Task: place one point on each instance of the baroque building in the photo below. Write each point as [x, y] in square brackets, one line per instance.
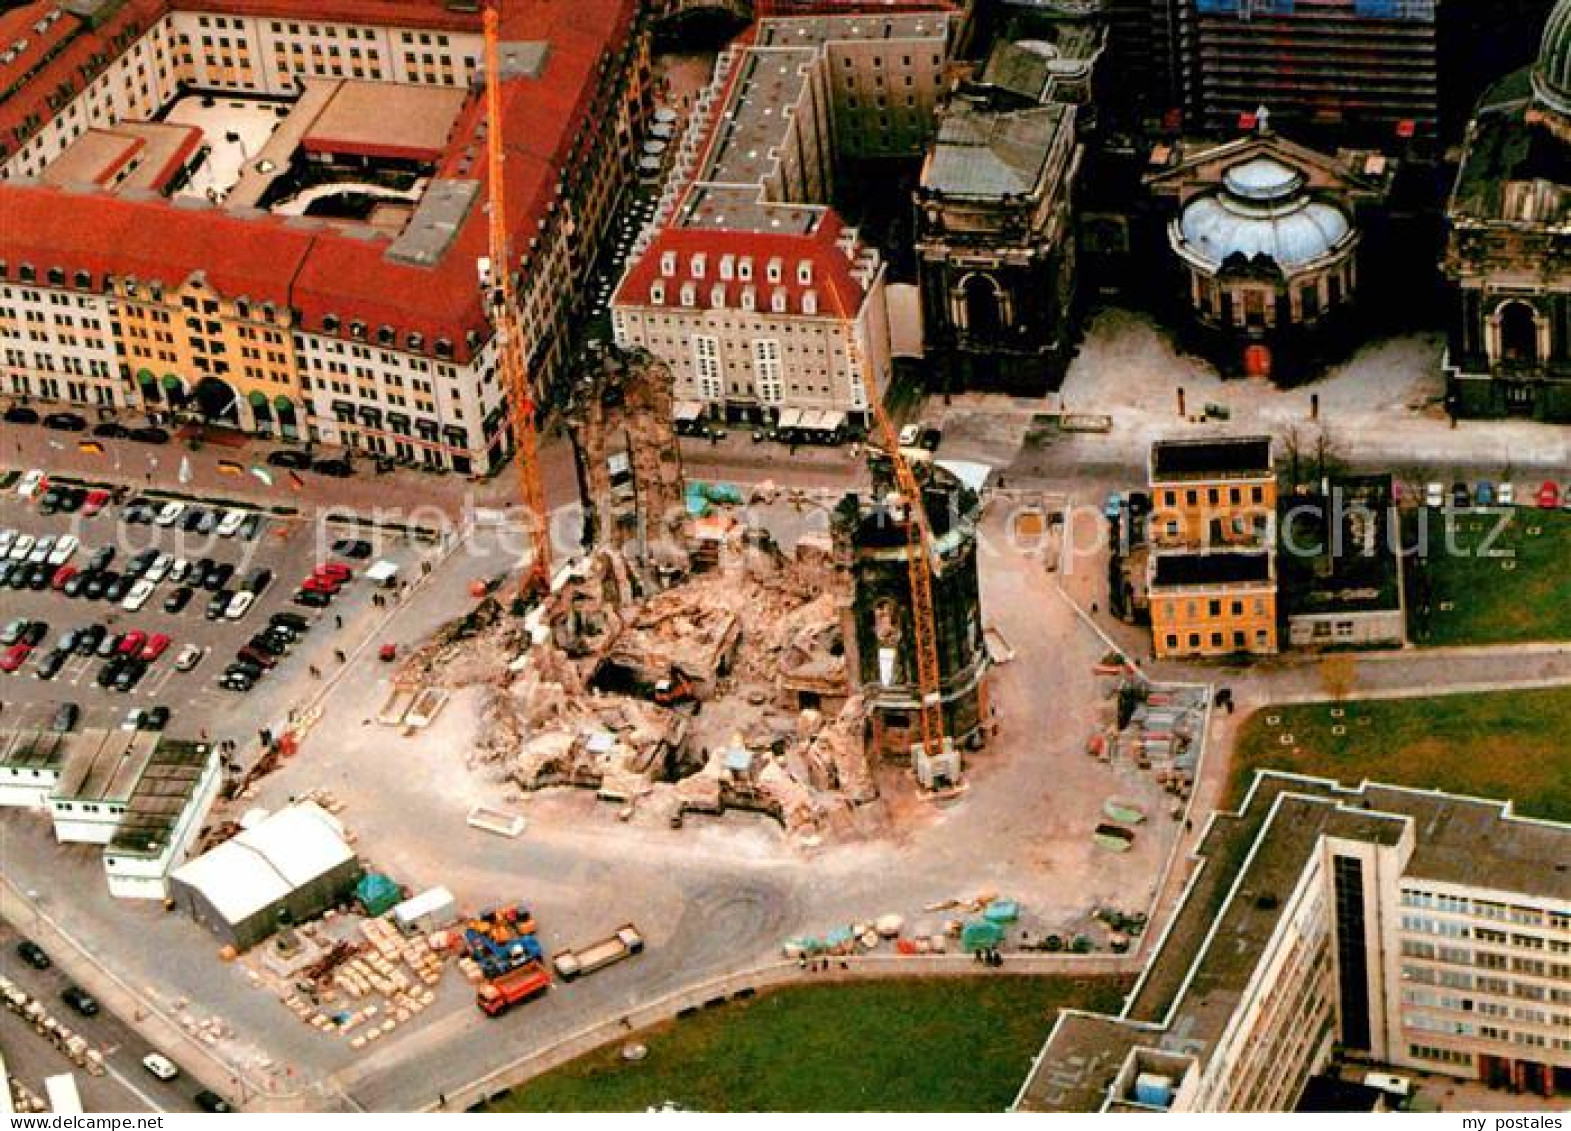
[1508, 255]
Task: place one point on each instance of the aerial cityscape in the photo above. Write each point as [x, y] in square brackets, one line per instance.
[739, 556]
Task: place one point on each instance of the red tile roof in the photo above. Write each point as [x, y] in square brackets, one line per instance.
[321, 271]
[837, 290]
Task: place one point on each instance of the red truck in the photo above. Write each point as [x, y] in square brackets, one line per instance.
[524, 983]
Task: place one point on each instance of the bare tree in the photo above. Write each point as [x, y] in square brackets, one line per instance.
[1339, 675]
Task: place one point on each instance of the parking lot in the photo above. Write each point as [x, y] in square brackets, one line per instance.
[163, 648]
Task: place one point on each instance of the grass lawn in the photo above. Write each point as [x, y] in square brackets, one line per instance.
[1476, 599]
[943, 1044]
[1508, 745]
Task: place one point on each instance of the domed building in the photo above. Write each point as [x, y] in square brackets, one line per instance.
[1266, 236]
[1508, 249]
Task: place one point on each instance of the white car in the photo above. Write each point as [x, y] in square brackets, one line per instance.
[31, 483]
[169, 514]
[159, 569]
[7, 540]
[179, 569]
[41, 550]
[240, 604]
[1505, 495]
[138, 596]
[160, 1066]
[1435, 495]
[910, 435]
[21, 547]
[65, 546]
[230, 524]
[133, 720]
[189, 657]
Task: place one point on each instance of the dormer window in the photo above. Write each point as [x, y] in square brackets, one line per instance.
[804, 272]
[387, 336]
[56, 277]
[689, 294]
[809, 302]
[416, 341]
[773, 270]
[728, 267]
[699, 264]
[717, 296]
[330, 323]
[242, 309]
[657, 294]
[84, 281]
[668, 263]
[444, 348]
[777, 301]
[744, 269]
[357, 331]
[749, 298]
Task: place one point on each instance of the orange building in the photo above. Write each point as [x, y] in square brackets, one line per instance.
[1218, 492]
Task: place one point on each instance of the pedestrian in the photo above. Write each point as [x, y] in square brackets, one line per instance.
[338, 654]
[338, 620]
[315, 672]
[441, 1099]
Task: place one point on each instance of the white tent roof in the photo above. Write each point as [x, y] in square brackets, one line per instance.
[261, 865]
[977, 476]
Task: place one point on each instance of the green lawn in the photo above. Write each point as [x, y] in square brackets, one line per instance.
[1462, 596]
[952, 1044]
[1508, 745]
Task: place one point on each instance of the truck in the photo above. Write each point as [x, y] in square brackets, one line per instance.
[502, 939]
[623, 943]
[520, 984]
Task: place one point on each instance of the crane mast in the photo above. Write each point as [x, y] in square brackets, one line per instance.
[919, 559]
[502, 301]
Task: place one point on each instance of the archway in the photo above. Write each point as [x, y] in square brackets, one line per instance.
[287, 422]
[216, 401]
[984, 313]
[174, 391]
[261, 410]
[1518, 333]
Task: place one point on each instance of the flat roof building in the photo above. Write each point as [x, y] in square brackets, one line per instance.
[1415, 928]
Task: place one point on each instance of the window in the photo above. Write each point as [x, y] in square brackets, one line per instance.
[706, 366]
[766, 369]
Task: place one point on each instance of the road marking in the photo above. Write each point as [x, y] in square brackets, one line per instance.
[125, 1082]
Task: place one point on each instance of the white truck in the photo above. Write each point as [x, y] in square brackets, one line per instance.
[623, 943]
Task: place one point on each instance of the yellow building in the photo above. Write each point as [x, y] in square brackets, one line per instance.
[1217, 492]
[1219, 603]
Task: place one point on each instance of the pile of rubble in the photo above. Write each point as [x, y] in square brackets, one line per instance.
[728, 689]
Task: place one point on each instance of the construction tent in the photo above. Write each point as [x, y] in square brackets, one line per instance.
[285, 870]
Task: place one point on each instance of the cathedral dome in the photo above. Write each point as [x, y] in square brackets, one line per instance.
[1552, 72]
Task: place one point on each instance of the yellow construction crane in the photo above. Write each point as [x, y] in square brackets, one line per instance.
[920, 562]
[496, 278]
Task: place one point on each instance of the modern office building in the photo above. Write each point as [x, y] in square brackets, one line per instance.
[255, 216]
[1411, 928]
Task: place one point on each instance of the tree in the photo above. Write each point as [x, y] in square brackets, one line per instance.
[1339, 675]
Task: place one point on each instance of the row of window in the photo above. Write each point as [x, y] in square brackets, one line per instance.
[1486, 909]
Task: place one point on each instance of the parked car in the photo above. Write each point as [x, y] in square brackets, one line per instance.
[50, 665]
[169, 513]
[324, 585]
[1505, 495]
[130, 674]
[259, 580]
[65, 718]
[1484, 493]
[1434, 495]
[131, 643]
[75, 584]
[218, 604]
[94, 501]
[13, 630]
[256, 657]
[65, 422]
[157, 644]
[211, 1102]
[91, 637]
[240, 605]
[251, 526]
[80, 1000]
[109, 645]
[333, 468]
[22, 547]
[148, 435]
[1461, 499]
[156, 718]
[357, 549]
[38, 575]
[137, 597]
[229, 525]
[233, 680]
[299, 461]
[189, 657]
[101, 559]
[160, 1066]
[219, 576]
[159, 569]
[110, 430]
[117, 589]
[35, 633]
[31, 483]
[290, 620]
[334, 571]
[178, 599]
[33, 954]
[179, 571]
[20, 414]
[14, 657]
[1548, 496]
[61, 551]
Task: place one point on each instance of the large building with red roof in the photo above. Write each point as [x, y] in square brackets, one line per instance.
[311, 271]
[765, 305]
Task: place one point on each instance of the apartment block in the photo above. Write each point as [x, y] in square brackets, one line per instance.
[1219, 491]
[1212, 603]
[1423, 930]
[748, 284]
[143, 267]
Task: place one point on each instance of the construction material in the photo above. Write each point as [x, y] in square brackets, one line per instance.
[497, 821]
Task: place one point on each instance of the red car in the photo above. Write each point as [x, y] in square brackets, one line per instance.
[155, 647]
[96, 500]
[315, 584]
[62, 575]
[14, 657]
[1549, 495]
[131, 643]
[337, 571]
